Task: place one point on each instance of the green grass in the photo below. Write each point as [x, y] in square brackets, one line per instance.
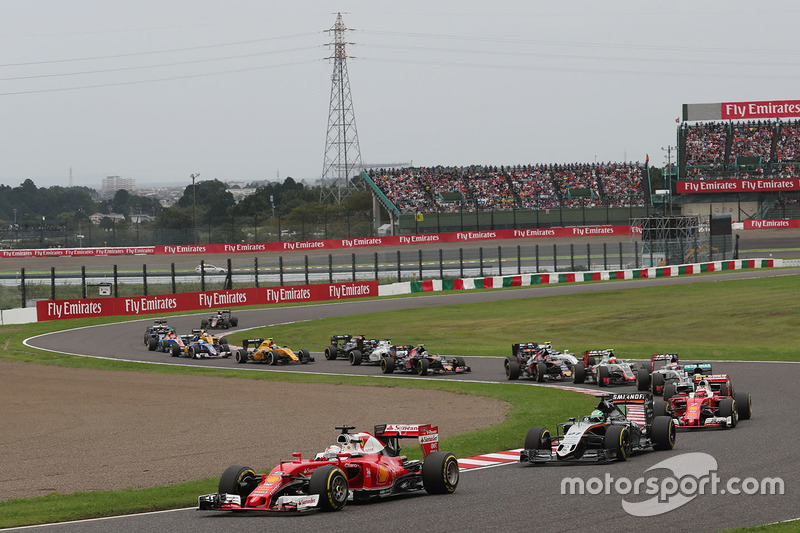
[748, 319]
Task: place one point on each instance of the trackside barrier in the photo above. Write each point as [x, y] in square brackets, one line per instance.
[524, 280]
[162, 304]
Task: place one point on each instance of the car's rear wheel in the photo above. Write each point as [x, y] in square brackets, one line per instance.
[241, 356]
[239, 480]
[602, 376]
[387, 365]
[643, 379]
[235, 321]
[330, 483]
[204, 323]
[355, 357]
[743, 405]
[618, 442]
[422, 367]
[175, 350]
[440, 473]
[663, 432]
[331, 352]
[538, 438]
[152, 344]
[512, 368]
[579, 372]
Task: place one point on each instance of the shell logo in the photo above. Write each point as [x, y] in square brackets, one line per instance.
[694, 407]
[273, 479]
[384, 474]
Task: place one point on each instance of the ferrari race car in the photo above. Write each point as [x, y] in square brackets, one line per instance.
[360, 467]
[221, 320]
[667, 376]
[712, 404]
[153, 334]
[267, 351]
[538, 362]
[416, 359]
[199, 345]
[608, 370]
[358, 349]
[621, 425]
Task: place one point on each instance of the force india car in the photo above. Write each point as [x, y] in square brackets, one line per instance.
[358, 349]
[416, 359]
[712, 404]
[621, 425]
[603, 368]
[221, 320]
[667, 376]
[360, 466]
[153, 334]
[267, 351]
[538, 362]
[199, 345]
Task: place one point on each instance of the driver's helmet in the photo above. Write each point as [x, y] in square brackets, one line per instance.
[672, 366]
[597, 416]
[703, 388]
[612, 359]
[331, 452]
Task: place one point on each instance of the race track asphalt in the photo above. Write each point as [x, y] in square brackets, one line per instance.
[511, 497]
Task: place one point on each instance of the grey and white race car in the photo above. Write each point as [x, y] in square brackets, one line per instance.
[621, 424]
[603, 368]
[666, 376]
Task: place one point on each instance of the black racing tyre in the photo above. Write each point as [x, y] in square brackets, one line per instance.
[663, 433]
[387, 365]
[355, 357]
[602, 376]
[239, 480]
[175, 350]
[538, 438]
[241, 356]
[657, 385]
[422, 367]
[457, 362]
[330, 482]
[618, 440]
[540, 371]
[191, 352]
[204, 323]
[643, 379]
[512, 368]
[660, 408]
[440, 473]
[164, 346]
[727, 408]
[723, 390]
[579, 373]
[273, 357]
[146, 338]
[304, 356]
[152, 344]
[225, 349]
[331, 352]
[223, 340]
[670, 389]
[234, 321]
[743, 405]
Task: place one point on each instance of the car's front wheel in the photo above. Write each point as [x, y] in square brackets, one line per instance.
[355, 357]
[330, 483]
[618, 442]
[239, 480]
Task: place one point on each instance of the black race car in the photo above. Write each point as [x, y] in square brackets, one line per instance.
[223, 319]
[622, 424]
[417, 360]
[539, 362]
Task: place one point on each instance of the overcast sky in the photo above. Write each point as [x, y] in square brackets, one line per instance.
[239, 90]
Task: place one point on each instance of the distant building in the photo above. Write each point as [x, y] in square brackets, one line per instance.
[112, 184]
[97, 217]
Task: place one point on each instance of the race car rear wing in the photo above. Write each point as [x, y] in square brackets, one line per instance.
[666, 357]
[697, 368]
[427, 435]
[516, 346]
[337, 338]
[251, 342]
[634, 405]
[160, 322]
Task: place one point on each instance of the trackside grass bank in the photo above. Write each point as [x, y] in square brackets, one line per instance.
[752, 319]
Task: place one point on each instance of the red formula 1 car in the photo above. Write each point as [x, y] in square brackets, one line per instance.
[360, 466]
[712, 404]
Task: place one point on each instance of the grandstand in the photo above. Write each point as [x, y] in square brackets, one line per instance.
[748, 168]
